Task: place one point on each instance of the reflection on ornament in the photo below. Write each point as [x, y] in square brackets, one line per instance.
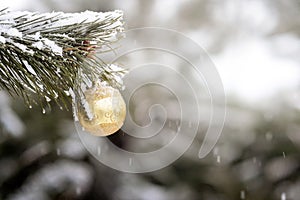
[103, 111]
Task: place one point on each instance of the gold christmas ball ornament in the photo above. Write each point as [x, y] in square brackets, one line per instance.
[102, 111]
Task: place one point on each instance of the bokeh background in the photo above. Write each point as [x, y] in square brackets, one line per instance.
[255, 45]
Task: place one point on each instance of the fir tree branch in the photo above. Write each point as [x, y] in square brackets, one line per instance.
[42, 53]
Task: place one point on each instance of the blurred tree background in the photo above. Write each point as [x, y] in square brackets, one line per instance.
[258, 154]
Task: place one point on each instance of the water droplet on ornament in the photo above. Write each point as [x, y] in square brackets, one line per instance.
[30, 106]
[107, 115]
[43, 111]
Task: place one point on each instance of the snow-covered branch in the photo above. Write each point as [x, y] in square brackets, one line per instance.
[43, 52]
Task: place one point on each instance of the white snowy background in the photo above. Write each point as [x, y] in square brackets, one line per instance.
[255, 46]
